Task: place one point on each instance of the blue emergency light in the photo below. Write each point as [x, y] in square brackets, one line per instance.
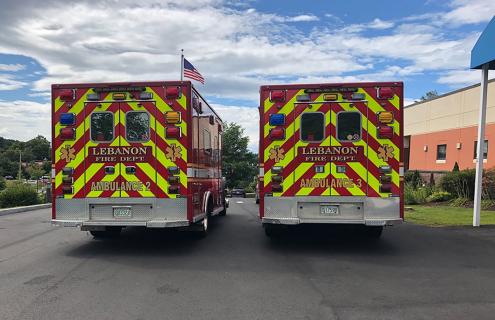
[277, 119]
[67, 119]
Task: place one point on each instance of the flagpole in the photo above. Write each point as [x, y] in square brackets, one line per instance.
[182, 65]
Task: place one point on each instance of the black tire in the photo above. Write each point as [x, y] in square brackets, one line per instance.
[374, 232]
[272, 231]
[202, 232]
[109, 232]
[257, 201]
[223, 212]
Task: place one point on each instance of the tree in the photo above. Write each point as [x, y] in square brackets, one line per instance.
[239, 164]
[39, 148]
[429, 95]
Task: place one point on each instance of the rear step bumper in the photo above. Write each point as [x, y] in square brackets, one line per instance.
[89, 225]
[294, 221]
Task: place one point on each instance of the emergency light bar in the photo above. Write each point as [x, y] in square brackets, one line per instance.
[330, 96]
[385, 132]
[173, 132]
[67, 134]
[385, 93]
[277, 95]
[277, 119]
[385, 117]
[173, 117]
[67, 119]
[67, 94]
[172, 92]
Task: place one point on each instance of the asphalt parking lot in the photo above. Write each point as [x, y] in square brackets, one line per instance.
[413, 272]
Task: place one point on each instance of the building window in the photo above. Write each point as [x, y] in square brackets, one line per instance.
[485, 150]
[312, 126]
[441, 152]
[349, 126]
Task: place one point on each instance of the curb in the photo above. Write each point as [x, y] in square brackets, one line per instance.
[7, 211]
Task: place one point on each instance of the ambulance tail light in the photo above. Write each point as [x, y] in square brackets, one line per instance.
[173, 170]
[385, 117]
[385, 93]
[277, 119]
[277, 170]
[385, 179]
[173, 117]
[173, 132]
[173, 189]
[67, 189]
[173, 180]
[67, 94]
[330, 96]
[277, 95]
[67, 180]
[385, 169]
[67, 119]
[277, 134]
[119, 96]
[277, 179]
[172, 92]
[277, 188]
[67, 134]
[385, 132]
[386, 188]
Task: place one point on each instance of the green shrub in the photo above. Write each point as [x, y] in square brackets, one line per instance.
[3, 184]
[416, 195]
[456, 167]
[459, 184]
[439, 196]
[413, 178]
[18, 194]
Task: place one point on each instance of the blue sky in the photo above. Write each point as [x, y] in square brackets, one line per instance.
[236, 45]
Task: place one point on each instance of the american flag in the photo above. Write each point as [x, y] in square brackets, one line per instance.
[191, 72]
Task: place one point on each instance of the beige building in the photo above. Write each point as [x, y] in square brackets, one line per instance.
[442, 131]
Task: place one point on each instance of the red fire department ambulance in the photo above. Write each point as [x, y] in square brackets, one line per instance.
[331, 153]
[135, 154]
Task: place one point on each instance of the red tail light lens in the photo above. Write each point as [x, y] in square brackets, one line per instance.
[67, 134]
[172, 92]
[277, 188]
[385, 179]
[173, 189]
[277, 95]
[173, 179]
[173, 132]
[277, 134]
[67, 189]
[277, 179]
[385, 93]
[385, 132]
[67, 94]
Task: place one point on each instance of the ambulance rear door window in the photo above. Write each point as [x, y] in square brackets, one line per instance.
[137, 126]
[349, 126]
[312, 126]
[102, 127]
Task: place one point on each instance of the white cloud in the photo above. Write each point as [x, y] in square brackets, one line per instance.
[24, 120]
[380, 24]
[470, 12]
[462, 77]
[247, 117]
[12, 67]
[7, 82]
[302, 18]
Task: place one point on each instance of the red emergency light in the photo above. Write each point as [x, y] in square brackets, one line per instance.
[277, 133]
[172, 92]
[173, 132]
[385, 93]
[277, 95]
[67, 134]
[386, 188]
[67, 94]
[385, 132]
[277, 188]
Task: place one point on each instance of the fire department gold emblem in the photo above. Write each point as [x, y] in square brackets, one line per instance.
[173, 152]
[277, 154]
[67, 153]
[385, 152]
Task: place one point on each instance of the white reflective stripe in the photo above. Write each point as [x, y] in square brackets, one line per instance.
[190, 172]
[53, 173]
[401, 171]
[262, 172]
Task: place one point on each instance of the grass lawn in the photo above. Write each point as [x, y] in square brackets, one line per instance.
[446, 216]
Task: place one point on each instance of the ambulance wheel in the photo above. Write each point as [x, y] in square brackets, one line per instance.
[374, 232]
[223, 212]
[202, 231]
[109, 232]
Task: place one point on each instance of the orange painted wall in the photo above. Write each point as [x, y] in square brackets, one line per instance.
[421, 160]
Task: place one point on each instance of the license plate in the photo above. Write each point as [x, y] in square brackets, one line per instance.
[122, 212]
[327, 210]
